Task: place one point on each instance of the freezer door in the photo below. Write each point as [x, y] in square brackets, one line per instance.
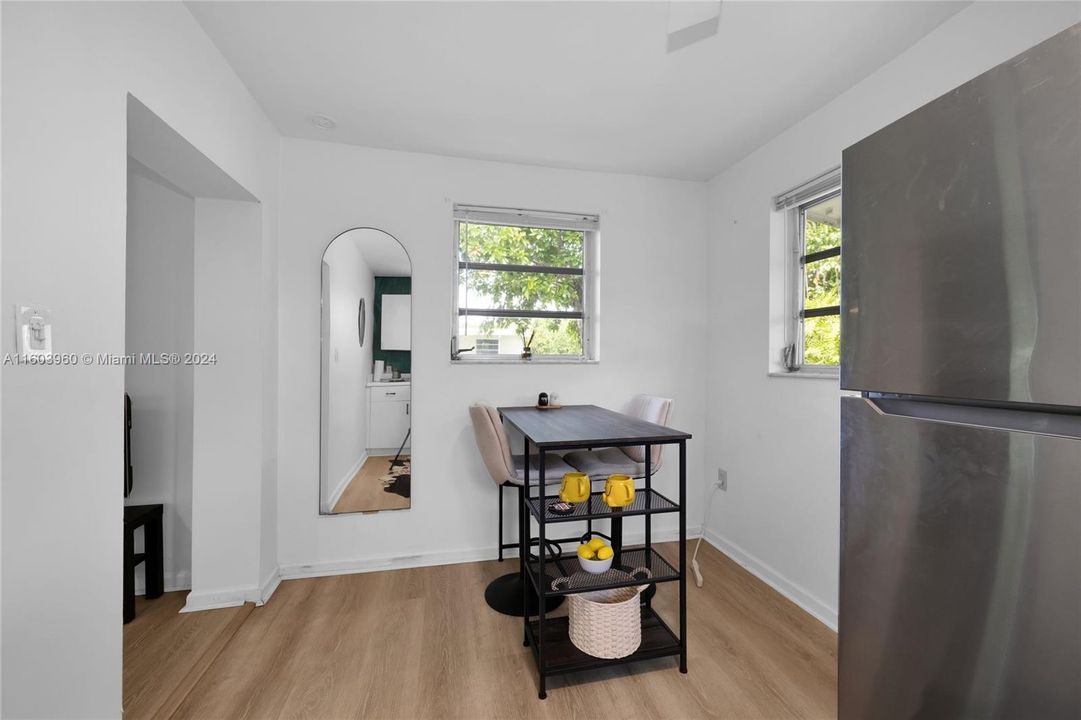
[961, 272]
[960, 565]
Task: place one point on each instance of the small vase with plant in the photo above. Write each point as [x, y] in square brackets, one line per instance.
[527, 351]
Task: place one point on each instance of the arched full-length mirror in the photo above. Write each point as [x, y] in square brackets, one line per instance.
[366, 403]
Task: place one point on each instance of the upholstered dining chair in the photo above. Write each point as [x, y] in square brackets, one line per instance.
[504, 594]
[601, 463]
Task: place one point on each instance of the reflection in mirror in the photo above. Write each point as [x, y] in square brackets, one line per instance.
[366, 343]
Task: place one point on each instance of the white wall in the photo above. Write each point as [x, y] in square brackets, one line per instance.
[67, 70]
[160, 319]
[779, 437]
[651, 314]
[349, 364]
[227, 438]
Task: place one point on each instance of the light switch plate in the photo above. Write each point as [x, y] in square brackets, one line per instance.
[34, 330]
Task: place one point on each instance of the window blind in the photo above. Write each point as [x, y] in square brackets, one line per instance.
[813, 188]
[526, 218]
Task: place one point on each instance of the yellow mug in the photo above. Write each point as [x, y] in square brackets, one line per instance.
[619, 491]
[575, 487]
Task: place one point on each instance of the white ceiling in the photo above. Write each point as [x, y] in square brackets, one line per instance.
[584, 85]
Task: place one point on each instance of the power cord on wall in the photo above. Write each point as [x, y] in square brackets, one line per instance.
[705, 519]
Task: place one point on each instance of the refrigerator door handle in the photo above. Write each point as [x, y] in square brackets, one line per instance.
[1006, 418]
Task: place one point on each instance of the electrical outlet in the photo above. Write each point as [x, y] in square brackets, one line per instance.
[722, 479]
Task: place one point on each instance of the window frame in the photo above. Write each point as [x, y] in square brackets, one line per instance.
[794, 204]
[587, 224]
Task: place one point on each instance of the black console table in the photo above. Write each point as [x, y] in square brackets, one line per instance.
[147, 517]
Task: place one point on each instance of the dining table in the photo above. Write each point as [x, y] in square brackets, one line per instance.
[550, 430]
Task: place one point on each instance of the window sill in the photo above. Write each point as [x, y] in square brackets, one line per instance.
[834, 375]
[464, 360]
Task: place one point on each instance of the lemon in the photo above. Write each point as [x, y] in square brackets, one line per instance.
[604, 553]
[596, 544]
[585, 552]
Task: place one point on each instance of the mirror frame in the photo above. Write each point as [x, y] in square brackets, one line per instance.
[319, 450]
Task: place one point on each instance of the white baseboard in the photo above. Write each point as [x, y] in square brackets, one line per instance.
[269, 585]
[343, 483]
[233, 596]
[386, 452]
[815, 606]
[428, 559]
[388, 562]
[221, 598]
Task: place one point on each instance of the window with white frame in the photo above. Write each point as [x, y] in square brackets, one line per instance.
[813, 276]
[524, 288]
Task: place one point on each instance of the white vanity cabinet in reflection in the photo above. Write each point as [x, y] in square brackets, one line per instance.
[388, 416]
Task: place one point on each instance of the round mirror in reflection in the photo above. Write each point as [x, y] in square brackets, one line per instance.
[366, 372]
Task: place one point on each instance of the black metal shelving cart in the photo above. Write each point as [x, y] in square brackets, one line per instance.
[588, 426]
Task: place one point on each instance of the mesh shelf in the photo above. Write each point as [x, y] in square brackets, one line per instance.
[646, 502]
[618, 576]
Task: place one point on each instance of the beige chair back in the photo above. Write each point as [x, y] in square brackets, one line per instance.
[652, 409]
[492, 443]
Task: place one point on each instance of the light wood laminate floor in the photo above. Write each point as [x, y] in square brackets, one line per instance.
[421, 643]
[365, 492]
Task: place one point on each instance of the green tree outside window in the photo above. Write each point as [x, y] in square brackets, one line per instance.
[821, 288]
[526, 291]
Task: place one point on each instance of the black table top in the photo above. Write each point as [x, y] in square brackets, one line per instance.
[586, 426]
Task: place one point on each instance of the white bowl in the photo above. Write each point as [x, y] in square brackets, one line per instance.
[595, 566]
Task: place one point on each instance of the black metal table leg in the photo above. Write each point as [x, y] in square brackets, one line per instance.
[129, 575]
[154, 546]
[652, 589]
[617, 537]
[499, 492]
[682, 556]
[523, 543]
[542, 575]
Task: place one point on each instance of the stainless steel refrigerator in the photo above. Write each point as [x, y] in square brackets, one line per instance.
[961, 456]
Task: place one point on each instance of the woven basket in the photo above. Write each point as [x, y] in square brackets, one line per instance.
[606, 623]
